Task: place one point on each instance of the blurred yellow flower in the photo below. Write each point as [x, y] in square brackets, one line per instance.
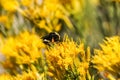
[73, 6]
[9, 5]
[46, 15]
[95, 2]
[108, 58]
[3, 19]
[49, 11]
[25, 48]
[6, 77]
[27, 2]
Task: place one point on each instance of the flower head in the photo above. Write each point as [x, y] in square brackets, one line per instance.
[108, 58]
[67, 57]
[24, 48]
[9, 5]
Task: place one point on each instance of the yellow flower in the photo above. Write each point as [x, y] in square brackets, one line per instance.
[3, 19]
[63, 57]
[50, 11]
[25, 48]
[108, 58]
[46, 15]
[6, 77]
[9, 5]
[27, 2]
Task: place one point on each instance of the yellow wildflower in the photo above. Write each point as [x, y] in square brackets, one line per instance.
[108, 58]
[63, 57]
[25, 48]
[27, 2]
[3, 19]
[9, 5]
[50, 12]
[6, 77]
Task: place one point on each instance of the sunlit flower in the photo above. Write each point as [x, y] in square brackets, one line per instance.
[63, 57]
[9, 5]
[23, 49]
[108, 58]
[3, 19]
[37, 11]
[50, 11]
[27, 2]
[6, 77]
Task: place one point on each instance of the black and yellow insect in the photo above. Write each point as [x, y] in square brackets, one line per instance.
[51, 38]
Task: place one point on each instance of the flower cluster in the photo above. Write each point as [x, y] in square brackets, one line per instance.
[108, 58]
[23, 49]
[44, 14]
[70, 59]
[27, 57]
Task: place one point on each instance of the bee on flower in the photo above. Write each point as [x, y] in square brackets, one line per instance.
[52, 37]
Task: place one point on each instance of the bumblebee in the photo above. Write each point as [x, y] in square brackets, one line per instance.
[51, 38]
